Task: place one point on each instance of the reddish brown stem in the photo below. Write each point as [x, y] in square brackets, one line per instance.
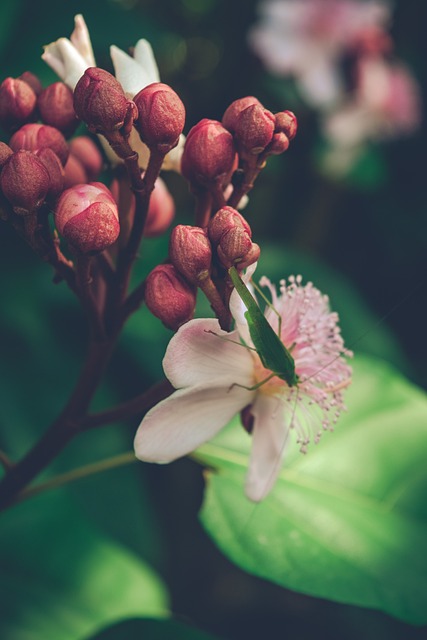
[64, 428]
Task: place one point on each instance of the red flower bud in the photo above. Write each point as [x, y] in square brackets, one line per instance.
[223, 221]
[33, 81]
[56, 108]
[55, 170]
[161, 211]
[18, 103]
[190, 252]
[85, 150]
[237, 249]
[74, 172]
[5, 153]
[287, 123]
[209, 154]
[99, 100]
[229, 119]
[253, 130]
[279, 144]
[161, 116]
[169, 297]
[34, 137]
[25, 182]
[86, 215]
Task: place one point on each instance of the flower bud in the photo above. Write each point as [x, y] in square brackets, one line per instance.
[85, 150]
[74, 172]
[169, 297]
[99, 100]
[55, 170]
[209, 154]
[5, 153]
[87, 216]
[237, 249]
[287, 123]
[223, 221]
[18, 103]
[33, 81]
[161, 116]
[279, 144]
[161, 211]
[25, 182]
[56, 108]
[229, 119]
[34, 137]
[254, 130]
[190, 252]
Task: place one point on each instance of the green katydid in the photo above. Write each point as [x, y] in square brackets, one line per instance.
[268, 345]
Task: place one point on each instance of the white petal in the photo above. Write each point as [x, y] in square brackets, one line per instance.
[65, 60]
[144, 55]
[270, 440]
[81, 40]
[181, 423]
[195, 357]
[172, 161]
[238, 308]
[131, 75]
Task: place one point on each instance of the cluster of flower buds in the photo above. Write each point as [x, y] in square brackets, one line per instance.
[247, 135]
[199, 258]
[156, 112]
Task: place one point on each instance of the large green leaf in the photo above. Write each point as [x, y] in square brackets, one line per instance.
[152, 630]
[348, 521]
[61, 579]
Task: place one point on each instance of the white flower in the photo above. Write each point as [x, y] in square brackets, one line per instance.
[69, 58]
[214, 378]
[307, 38]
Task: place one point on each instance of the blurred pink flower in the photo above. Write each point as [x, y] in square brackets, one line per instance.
[210, 373]
[386, 103]
[307, 38]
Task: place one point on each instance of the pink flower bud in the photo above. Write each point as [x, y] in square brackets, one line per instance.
[161, 116]
[56, 108]
[223, 221]
[229, 119]
[87, 216]
[99, 100]
[33, 137]
[190, 252]
[18, 103]
[237, 249]
[279, 144]
[161, 211]
[25, 182]
[85, 150]
[74, 172]
[209, 154]
[33, 81]
[5, 153]
[55, 170]
[254, 130]
[169, 297]
[287, 123]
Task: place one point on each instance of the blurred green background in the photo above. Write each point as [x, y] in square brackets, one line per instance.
[363, 242]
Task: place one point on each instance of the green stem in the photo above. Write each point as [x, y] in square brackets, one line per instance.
[76, 474]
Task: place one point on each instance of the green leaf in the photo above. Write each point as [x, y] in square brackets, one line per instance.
[61, 579]
[152, 630]
[348, 521]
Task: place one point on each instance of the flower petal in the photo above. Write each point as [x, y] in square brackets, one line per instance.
[270, 440]
[144, 55]
[182, 422]
[65, 60]
[195, 357]
[81, 40]
[132, 76]
[237, 307]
